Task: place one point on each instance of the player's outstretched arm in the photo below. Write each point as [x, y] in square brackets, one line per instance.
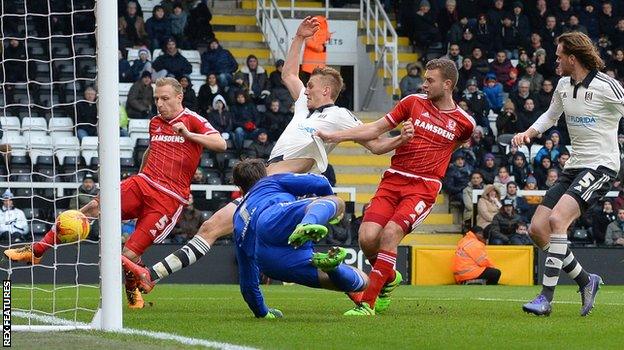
[249, 281]
[382, 145]
[290, 72]
[363, 133]
[213, 142]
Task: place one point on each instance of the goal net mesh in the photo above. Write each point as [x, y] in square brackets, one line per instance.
[47, 71]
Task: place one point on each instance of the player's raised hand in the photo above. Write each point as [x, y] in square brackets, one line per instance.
[180, 129]
[308, 27]
[327, 137]
[407, 132]
[520, 139]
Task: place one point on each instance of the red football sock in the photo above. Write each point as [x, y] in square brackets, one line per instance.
[382, 272]
[45, 243]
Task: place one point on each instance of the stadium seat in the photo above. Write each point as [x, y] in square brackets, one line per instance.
[61, 126]
[32, 213]
[89, 149]
[224, 157]
[206, 161]
[136, 136]
[66, 146]
[19, 164]
[39, 228]
[214, 181]
[45, 161]
[227, 177]
[212, 173]
[34, 124]
[17, 142]
[232, 162]
[126, 147]
[23, 192]
[10, 123]
[138, 125]
[127, 165]
[39, 145]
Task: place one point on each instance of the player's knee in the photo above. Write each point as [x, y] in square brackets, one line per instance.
[391, 236]
[340, 203]
[557, 223]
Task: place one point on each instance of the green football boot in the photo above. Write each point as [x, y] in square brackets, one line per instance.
[383, 300]
[361, 310]
[306, 232]
[330, 260]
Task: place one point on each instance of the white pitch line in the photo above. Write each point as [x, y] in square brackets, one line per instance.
[503, 300]
[151, 334]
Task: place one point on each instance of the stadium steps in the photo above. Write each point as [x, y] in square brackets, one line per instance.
[431, 239]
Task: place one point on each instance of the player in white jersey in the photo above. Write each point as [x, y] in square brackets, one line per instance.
[592, 104]
[298, 150]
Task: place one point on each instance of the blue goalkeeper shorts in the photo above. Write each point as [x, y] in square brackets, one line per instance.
[275, 257]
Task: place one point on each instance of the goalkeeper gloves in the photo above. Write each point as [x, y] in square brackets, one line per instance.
[274, 313]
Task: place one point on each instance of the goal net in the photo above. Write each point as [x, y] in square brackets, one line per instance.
[53, 147]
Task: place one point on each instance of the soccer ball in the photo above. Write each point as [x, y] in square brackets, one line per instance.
[72, 226]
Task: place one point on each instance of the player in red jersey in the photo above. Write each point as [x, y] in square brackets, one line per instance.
[408, 189]
[156, 195]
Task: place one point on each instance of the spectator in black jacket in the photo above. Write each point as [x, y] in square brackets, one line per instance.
[278, 89]
[447, 16]
[220, 117]
[198, 29]
[495, 15]
[545, 95]
[256, 79]
[607, 19]
[171, 62]
[601, 220]
[457, 177]
[141, 64]
[189, 99]
[528, 113]
[207, 93]
[489, 168]
[522, 94]
[140, 102]
[504, 224]
[508, 38]
[563, 12]
[478, 104]
[422, 28]
[484, 34]
[480, 62]
[261, 146]
[520, 169]
[274, 121]
[219, 61]
[158, 28]
[86, 114]
[125, 73]
[520, 20]
[244, 119]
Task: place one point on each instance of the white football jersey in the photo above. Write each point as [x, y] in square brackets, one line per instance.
[592, 110]
[298, 140]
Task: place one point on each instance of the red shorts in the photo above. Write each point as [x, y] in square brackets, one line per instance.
[403, 200]
[156, 213]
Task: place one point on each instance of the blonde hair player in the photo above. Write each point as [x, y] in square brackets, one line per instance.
[298, 150]
[156, 195]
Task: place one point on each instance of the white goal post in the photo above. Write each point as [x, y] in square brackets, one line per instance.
[108, 316]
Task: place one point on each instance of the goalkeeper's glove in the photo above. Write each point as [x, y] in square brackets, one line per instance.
[274, 313]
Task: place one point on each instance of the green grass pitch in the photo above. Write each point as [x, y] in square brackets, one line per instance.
[441, 317]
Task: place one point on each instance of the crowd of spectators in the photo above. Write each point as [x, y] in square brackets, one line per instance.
[505, 53]
[248, 106]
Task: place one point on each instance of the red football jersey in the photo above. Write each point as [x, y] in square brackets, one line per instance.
[436, 135]
[172, 160]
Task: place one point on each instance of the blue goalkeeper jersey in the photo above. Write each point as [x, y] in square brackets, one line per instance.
[269, 191]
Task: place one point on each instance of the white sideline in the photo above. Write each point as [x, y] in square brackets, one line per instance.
[155, 335]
